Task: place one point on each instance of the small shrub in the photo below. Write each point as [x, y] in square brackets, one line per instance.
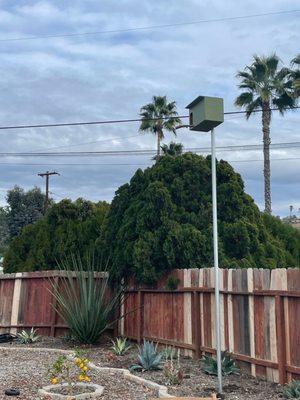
[169, 352]
[172, 283]
[28, 337]
[120, 346]
[69, 371]
[292, 390]
[148, 358]
[173, 371]
[229, 367]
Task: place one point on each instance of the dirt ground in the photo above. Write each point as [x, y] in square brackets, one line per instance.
[27, 371]
[195, 382]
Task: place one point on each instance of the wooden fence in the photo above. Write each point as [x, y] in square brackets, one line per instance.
[26, 301]
[260, 317]
[260, 314]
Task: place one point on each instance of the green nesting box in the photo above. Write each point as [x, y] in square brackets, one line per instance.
[206, 113]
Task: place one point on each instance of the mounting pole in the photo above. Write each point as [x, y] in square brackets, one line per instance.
[216, 258]
[47, 175]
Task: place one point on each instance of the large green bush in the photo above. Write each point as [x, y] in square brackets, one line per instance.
[159, 221]
[162, 220]
[67, 228]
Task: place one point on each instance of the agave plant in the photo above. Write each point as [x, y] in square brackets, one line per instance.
[210, 366]
[82, 300]
[28, 337]
[148, 358]
[292, 390]
[120, 346]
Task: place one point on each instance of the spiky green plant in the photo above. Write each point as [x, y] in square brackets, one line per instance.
[173, 371]
[169, 352]
[120, 346]
[148, 358]
[25, 337]
[229, 367]
[292, 390]
[82, 300]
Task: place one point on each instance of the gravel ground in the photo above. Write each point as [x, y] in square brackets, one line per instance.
[27, 371]
[196, 383]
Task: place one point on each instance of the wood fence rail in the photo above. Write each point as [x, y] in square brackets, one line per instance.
[260, 314]
[260, 317]
[26, 301]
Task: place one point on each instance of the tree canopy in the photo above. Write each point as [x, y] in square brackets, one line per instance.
[161, 220]
[67, 228]
[23, 208]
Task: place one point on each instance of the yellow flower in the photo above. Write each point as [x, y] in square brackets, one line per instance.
[54, 381]
[87, 379]
[81, 378]
[84, 369]
[81, 365]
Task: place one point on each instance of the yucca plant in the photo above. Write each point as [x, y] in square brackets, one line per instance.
[25, 337]
[120, 346]
[82, 299]
[292, 390]
[148, 358]
[210, 366]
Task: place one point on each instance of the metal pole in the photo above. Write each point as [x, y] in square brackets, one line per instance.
[216, 258]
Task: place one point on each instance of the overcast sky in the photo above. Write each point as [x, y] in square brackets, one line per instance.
[110, 76]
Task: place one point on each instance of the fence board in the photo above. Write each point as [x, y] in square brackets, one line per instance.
[259, 314]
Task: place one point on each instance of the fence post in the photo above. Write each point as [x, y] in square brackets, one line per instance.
[53, 308]
[196, 324]
[140, 316]
[117, 315]
[281, 339]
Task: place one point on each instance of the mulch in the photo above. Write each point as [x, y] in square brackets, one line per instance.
[195, 382]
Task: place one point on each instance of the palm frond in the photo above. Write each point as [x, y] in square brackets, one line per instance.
[244, 99]
[296, 60]
[159, 116]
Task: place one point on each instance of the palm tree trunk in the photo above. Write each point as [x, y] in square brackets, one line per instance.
[158, 144]
[266, 120]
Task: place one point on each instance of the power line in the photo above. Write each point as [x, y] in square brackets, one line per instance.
[137, 152]
[119, 121]
[132, 164]
[150, 27]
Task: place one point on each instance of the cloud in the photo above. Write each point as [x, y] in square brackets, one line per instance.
[107, 76]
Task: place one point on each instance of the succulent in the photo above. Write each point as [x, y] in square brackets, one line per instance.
[169, 352]
[148, 358]
[28, 337]
[120, 346]
[172, 370]
[229, 367]
[292, 390]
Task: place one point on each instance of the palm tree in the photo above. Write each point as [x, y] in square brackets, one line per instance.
[265, 85]
[159, 116]
[295, 75]
[173, 149]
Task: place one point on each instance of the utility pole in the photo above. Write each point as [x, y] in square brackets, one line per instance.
[47, 175]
